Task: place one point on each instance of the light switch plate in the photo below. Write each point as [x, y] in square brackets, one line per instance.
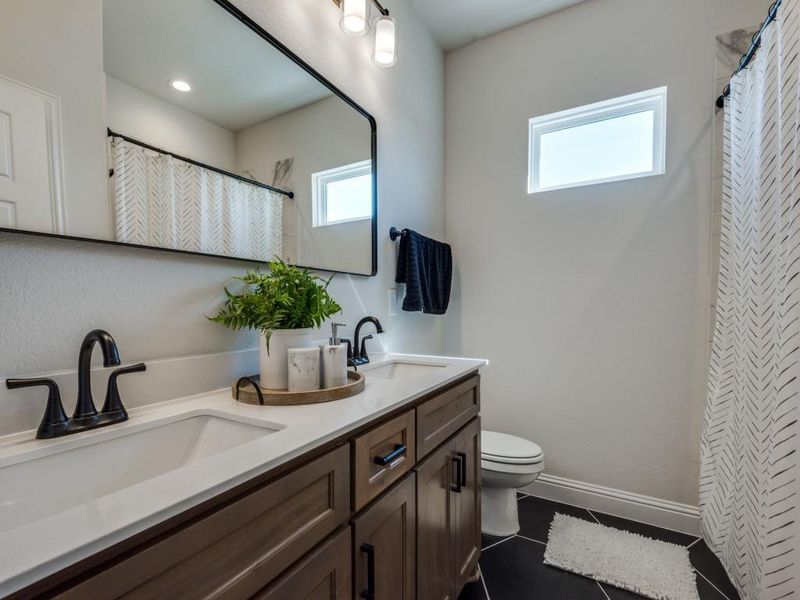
[392, 302]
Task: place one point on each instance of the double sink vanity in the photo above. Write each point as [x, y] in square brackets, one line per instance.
[241, 156]
[376, 496]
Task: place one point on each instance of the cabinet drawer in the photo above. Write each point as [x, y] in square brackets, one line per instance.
[381, 456]
[239, 549]
[443, 415]
[326, 574]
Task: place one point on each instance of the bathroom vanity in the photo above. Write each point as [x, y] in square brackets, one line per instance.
[376, 496]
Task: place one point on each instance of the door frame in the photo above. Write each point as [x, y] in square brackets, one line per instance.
[55, 162]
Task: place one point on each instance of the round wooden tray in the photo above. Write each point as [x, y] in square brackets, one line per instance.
[248, 394]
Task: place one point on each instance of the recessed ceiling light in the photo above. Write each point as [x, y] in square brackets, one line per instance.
[180, 85]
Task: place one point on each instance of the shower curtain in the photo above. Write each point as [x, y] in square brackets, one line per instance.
[165, 202]
[750, 477]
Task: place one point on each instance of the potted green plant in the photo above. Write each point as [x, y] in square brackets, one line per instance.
[284, 304]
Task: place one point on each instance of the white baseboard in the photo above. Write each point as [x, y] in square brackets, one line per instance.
[636, 507]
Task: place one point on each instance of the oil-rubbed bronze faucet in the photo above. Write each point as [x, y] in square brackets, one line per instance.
[360, 356]
[84, 408]
[55, 422]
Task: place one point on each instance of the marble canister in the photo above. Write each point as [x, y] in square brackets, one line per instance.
[303, 369]
[334, 365]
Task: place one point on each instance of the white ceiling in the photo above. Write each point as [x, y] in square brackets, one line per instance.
[455, 23]
[238, 79]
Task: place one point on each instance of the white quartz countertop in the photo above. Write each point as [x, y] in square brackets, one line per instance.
[38, 548]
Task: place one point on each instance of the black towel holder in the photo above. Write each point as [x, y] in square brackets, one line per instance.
[394, 233]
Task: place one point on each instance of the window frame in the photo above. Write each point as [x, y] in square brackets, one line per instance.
[319, 191]
[654, 99]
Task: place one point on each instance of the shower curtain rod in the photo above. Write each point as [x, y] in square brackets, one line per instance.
[202, 165]
[745, 60]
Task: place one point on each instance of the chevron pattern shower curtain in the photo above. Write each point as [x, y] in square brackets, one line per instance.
[750, 476]
[168, 203]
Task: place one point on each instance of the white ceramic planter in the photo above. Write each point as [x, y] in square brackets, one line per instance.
[274, 365]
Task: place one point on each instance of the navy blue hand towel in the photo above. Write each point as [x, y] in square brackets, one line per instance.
[426, 267]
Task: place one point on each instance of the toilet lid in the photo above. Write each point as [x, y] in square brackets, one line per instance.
[504, 448]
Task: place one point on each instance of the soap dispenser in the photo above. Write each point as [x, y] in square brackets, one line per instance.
[334, 360]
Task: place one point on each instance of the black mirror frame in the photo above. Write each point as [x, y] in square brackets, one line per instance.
[269, 38]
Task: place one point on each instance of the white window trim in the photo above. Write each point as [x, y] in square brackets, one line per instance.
[655, 100]
[319, 182]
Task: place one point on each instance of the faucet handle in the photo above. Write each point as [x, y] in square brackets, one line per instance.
[363, 351]
[113, 403]
[349, 347]
[54, 418]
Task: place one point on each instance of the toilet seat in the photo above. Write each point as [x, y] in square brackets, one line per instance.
[508, 463]
[504, 453]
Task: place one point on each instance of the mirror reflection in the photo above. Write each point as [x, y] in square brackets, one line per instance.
[217, 143]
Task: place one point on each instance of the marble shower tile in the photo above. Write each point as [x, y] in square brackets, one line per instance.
[730, 48]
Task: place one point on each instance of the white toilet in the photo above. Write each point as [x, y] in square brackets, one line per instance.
[507, 464]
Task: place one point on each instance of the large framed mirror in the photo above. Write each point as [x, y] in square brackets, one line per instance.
[218, 140]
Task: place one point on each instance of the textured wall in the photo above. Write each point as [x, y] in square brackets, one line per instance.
[53, 292]
[590, 303]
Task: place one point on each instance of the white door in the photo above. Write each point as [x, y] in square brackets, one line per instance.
[30, 161]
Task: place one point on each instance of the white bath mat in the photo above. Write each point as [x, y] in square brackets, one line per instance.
[626, 560]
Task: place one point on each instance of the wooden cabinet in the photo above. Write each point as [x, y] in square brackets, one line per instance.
[434, 522]
[237, 550]
[448, 516]
[385, 545]
[466, 528]
[441, 416]
[323, 575]
[391, 513]
[382, 456]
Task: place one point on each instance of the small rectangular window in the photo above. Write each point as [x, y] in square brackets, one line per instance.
[614, 140]
[342, 194]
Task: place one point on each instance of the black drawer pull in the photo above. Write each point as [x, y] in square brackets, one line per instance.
[458, 462]
[463, 457]
[369, 593]
[399, 450]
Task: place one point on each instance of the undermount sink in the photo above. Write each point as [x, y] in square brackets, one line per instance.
[402, 370]
[46, 485]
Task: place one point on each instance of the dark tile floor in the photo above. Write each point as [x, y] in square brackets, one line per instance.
[512, 568]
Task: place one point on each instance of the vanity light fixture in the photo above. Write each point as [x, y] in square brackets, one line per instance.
[385, 54]
[355, 22]
[355, 17]
[180, 85]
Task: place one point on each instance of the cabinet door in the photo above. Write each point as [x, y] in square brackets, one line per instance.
[435, 505]
[238, 548]
[385, 545]
[323, 575]
[466, 528]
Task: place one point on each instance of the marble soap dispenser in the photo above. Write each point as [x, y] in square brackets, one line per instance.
[334, 360]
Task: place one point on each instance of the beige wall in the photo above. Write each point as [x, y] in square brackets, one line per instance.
[591, 303]
[142, 116]
[56, 46]
[320, 136]
[53, 292]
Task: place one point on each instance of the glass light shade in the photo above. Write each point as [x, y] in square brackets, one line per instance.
[385, 42]
[355, 17]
